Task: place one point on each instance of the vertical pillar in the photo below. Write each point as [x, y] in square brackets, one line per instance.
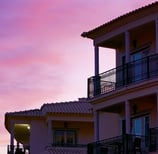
[12, 138]
[127, 114]
[97, 78]
[50, 134]
[96, 126]
[156, 33]
[157, 111]
[127, 46]
[96, 81]
[96, 59]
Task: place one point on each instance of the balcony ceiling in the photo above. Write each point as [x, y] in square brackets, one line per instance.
[136, 34]
[117, 108]
[22, 133]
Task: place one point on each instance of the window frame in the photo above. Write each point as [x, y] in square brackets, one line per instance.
[65, 137]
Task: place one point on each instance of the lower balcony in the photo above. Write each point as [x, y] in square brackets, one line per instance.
[124, 75]
[67, 149]
[126, 144]
[12, 149]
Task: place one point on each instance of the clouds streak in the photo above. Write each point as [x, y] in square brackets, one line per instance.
[42, 56]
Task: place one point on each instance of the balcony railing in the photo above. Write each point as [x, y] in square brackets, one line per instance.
[124, 75]
[67, 149]
[153, 139]
[12, 149]
[120, 145]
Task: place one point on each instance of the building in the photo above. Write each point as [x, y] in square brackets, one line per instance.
[128, 92]
[54, 128]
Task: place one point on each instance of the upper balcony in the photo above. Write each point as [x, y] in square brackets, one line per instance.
[125, 75]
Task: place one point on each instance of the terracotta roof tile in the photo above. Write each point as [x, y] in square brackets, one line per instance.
[35, 112]
[81, 106]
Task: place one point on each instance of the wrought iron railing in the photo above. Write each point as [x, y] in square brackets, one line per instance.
[133, 72]
[67, 149]
[120, 145]
[13, 149]
[153, 139]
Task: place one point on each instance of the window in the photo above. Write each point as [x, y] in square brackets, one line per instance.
[140, 125]
[65, 137]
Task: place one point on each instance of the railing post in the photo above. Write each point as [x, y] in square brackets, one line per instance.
[90, 148]
[88, 88]
[126, 143]
[97, 86]
[127, 74]
[123, 74]
[148, 67]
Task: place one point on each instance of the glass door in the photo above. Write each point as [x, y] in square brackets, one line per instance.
[139, 63]
[136, 66]
[140, 126]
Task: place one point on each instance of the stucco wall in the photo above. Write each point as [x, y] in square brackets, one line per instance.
[108, 125]
[86, 132]
[38, 136]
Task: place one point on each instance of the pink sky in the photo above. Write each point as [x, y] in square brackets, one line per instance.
[43, 58]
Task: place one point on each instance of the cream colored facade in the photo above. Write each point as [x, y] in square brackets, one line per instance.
[129, 92]
[54, 129]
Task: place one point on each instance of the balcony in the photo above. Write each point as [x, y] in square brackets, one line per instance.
[126, 144]
[18, 149]
[131, 73]
[67, 149]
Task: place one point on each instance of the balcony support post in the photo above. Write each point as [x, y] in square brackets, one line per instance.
[12, 138]
[127, 46]
[96, 81]
[50, 133]
[127, 115]
[96, 59]
[156, 29]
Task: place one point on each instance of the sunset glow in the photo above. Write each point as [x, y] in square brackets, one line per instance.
[43, 58]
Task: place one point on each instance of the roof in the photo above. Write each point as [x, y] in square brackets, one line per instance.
[76, 107]
[35, 112]
[121, 20]
[81, 106]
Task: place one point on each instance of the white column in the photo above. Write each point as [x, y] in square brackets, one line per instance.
[156, 33]
[50, 134]
[96, 59]
[127, 46]
[12, 137]
[127, 114]
[12, 134]
[96, 126]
